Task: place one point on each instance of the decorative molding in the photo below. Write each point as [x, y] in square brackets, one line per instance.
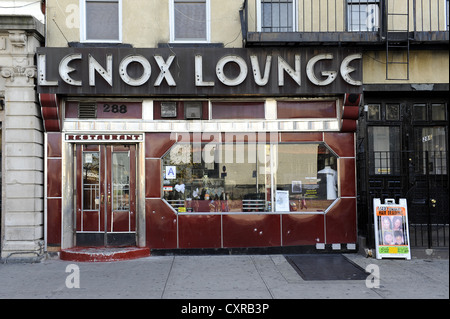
[18, 38]
[29, 72]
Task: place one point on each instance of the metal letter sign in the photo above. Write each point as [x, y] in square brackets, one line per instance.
[199, 71]
[391, 229]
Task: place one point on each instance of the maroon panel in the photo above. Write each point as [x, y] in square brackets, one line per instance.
[109, 110]
[303, 229]
[161, 225]
[301, 137]
[251, 230]
[351, 112]
[71, 110]
[133, 221]
[54, 145]
[50, 108]
[54, 221]
[91, 220]
[348, 126]
[54, 178]
[342, 143]
[121, 222]
[199, 231]
[347, 176]
[153, 178]
[306, 109]
[237, 110]
[157, 144]
[119, 110]
[341, 222]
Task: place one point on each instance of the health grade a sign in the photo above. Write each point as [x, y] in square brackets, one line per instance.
[391, 229]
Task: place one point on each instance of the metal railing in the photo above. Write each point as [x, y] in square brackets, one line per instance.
[355, 15]
[420, 177]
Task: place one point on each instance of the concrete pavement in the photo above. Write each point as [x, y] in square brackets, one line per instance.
[218, 277]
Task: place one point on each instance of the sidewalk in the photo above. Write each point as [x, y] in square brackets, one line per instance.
[219, 277]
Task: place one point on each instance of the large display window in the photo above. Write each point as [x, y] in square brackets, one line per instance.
[249, 177]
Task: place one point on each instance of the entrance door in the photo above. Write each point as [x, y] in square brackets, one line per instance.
[428, 195]
[106, 195]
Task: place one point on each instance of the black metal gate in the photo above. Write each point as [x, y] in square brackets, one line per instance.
[421, 178]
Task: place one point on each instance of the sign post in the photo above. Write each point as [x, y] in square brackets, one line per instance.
[391, 229]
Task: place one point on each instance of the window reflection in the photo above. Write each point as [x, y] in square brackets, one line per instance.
[249, 177]
[91, 181]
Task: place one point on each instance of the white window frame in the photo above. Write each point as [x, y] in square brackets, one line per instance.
[375, 4]
[294, 18]
[83, 29]
[172, 24]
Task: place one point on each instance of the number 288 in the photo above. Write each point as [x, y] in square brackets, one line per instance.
[115, 108]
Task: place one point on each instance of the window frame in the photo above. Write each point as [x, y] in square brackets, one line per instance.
[273, 176]
[294, 16]
[83, 21]
[172, 24]
[349, 25]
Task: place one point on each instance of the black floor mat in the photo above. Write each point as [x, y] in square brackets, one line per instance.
[326, 267]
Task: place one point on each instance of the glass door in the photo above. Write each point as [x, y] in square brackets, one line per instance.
[106, 195]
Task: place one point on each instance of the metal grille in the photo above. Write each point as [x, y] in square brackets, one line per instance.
[420, 177]
[87, 110]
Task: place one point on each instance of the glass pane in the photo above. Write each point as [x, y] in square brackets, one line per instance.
[306, 177]
[91, 181]
[121, 181]
[438, 112]
[363, 17]
[190, 21]
[374, 113]
[384, 149]
[392, 112]
[277, 16]
[102, 20]
[217, 178]
[434, 141]
[420, 112]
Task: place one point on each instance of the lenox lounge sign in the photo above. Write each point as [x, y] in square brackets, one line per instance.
[198, 71]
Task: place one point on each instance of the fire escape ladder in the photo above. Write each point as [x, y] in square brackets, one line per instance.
[397, 40]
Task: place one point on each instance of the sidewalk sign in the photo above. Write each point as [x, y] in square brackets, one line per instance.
[391, 229]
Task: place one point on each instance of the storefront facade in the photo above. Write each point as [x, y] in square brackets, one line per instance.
[200, 148]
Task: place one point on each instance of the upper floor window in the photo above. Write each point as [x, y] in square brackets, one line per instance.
[190, 21]
[363, 15]
[276, 15]
[101, 20]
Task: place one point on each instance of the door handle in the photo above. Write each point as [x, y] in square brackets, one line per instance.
[103, 199]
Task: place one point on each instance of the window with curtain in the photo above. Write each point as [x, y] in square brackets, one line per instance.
[190, 19]
[102, 20]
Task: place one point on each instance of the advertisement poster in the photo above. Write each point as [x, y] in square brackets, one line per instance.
[391, 229]
[282, 201]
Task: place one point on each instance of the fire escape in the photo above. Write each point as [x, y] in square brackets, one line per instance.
[397, 40]
[391, 25]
